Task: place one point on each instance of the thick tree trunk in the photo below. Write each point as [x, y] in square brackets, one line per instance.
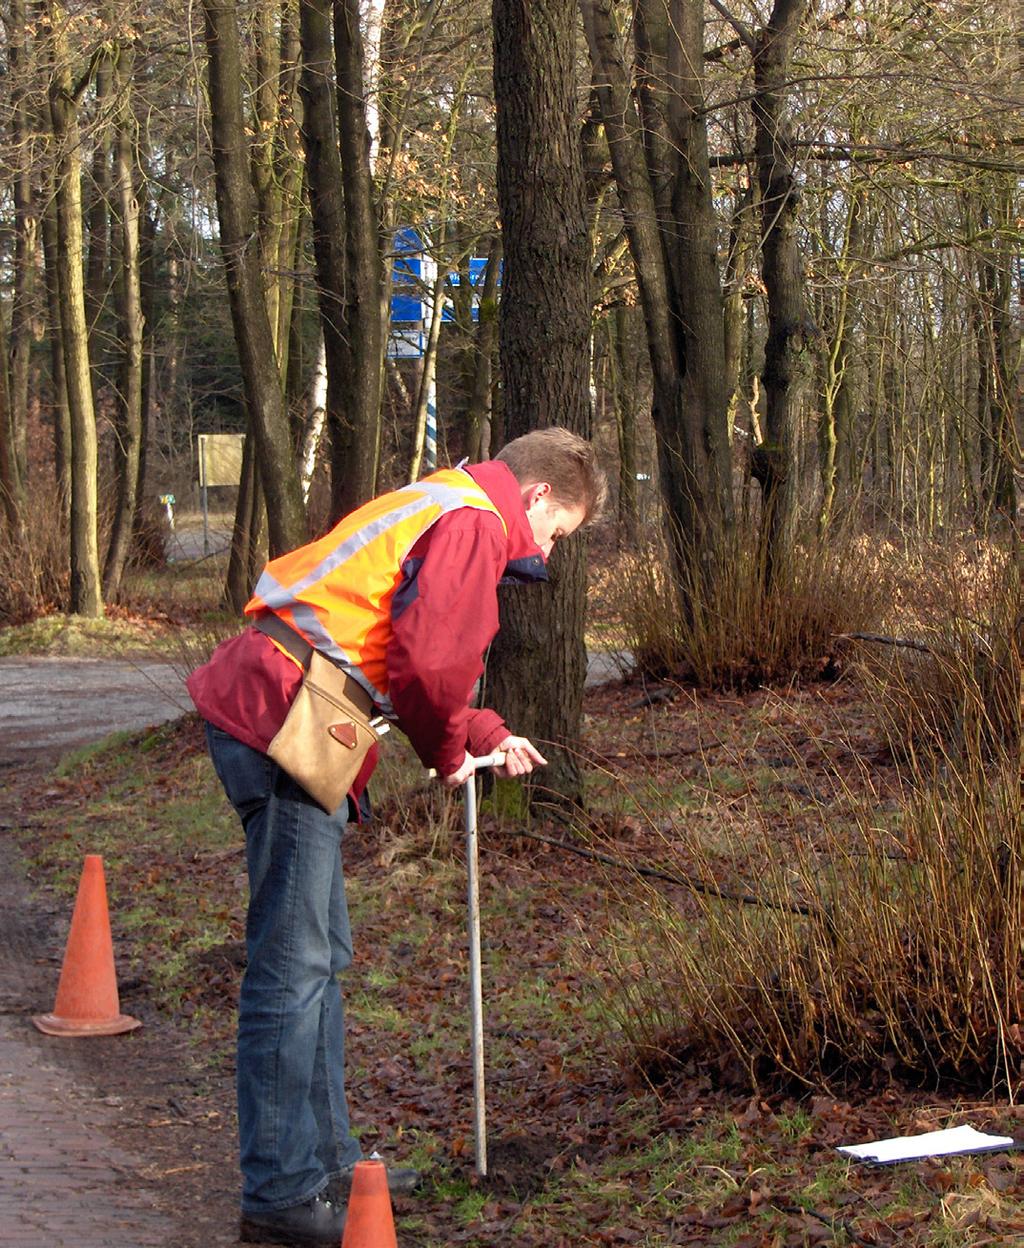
[253, 335]
[661, 172]
[276, 179]
[690, 239]
[337, 194]
[128, 421]
[786, 350]
[276, 158]
[537, 665]
[86, 593]
[288, 170]
[326, 194]
[355, 430]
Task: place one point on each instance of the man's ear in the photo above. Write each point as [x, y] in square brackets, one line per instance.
[532, 493]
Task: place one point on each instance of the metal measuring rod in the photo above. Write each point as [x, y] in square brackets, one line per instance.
[476, 1007]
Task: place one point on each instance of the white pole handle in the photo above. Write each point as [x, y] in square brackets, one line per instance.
[485, 760]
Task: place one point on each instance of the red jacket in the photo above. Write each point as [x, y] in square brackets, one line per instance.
[444, 615]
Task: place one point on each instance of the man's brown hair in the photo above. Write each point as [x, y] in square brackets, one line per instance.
[565, 461]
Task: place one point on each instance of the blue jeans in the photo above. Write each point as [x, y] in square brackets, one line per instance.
[293, 1122]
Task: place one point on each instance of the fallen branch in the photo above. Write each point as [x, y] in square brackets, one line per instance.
[831, 1222]
[906, 642]
[685, 881]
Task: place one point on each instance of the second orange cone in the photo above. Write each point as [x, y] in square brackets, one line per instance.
[370, 1223]
[87, 1001]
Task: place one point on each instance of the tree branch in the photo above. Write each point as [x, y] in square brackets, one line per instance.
[741, 28]
[685, 881]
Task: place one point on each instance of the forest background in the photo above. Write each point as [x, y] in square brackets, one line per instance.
[768, 256]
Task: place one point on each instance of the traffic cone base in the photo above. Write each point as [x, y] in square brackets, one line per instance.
[87, 1002]
[369, 1222]
[54, 1025]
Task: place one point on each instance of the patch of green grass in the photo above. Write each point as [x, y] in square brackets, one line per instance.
[795, 1125]
[71, 635]
[469, 1207]
[102, 752]
[373, 1012]
[829, 1182]
[380, 978]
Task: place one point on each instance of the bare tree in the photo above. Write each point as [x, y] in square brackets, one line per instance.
[355, 429]
[254, 337]
[64, 95]
[21, 71]
[128, 421]
[658, 142]
[789, 335]
[544, 336]
[346, 242]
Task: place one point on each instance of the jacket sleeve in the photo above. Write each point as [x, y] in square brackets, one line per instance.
[444, 615]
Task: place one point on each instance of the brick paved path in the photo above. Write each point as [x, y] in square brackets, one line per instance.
[63, 1179]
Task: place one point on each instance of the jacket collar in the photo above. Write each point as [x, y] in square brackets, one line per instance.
[525, 561]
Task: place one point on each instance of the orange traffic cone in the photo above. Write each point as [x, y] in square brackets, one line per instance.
[370, 1223]
[87, 1002]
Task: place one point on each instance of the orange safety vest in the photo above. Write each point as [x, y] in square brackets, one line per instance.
[337, 590]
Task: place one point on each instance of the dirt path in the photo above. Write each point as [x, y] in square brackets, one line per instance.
[51, 705]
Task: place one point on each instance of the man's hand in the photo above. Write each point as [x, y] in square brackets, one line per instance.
[458, 778]
[521, 756]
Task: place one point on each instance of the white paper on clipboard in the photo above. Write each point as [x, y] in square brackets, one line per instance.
[932, 1144]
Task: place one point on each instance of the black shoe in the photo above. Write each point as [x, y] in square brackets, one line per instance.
[319, 1221]
[402, 1181]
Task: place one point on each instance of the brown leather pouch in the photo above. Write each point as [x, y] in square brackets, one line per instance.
[326, 734]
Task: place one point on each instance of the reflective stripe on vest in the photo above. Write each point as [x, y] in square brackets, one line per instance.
[337, 590]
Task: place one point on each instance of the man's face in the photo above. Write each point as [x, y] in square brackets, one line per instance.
[549, 520]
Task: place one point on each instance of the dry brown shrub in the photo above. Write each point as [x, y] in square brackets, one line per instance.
[887, 941]
[949, 681]
[34, 568]
[743, 634]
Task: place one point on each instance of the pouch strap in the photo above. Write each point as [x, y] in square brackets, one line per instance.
[286, 637]
[302, 652]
